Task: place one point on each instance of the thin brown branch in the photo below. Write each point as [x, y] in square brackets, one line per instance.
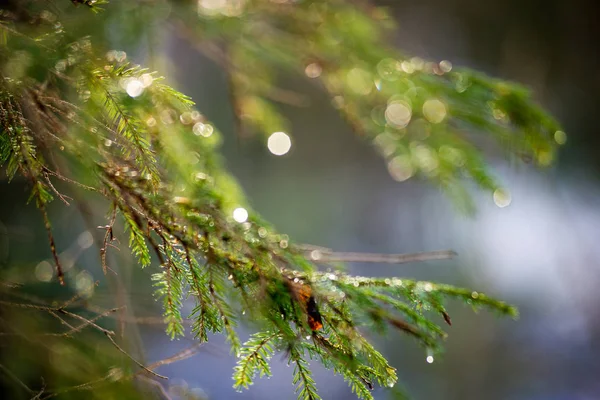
[60, 195]
[64, 178]
[326, 255]
[157, 385]
[40, 392]
[31, 169]
[26, 305]
[59, 271]
[139, 364]
[15, 378]
[88, 322]
[10, 285]
[108, 237]
[182, 355]
[84, 324]
[70, 301]
[62, 321]
[110, 377]
[404, 326]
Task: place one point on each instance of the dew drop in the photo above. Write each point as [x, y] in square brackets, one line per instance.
[560, 137]
[401, 168]
[398, 114]
[445, 66]
[434, 110]
[502, 198]
[240, 214]
[313, 70]
[201, 129]
[279, 143]
[134, 87]
[316, 255]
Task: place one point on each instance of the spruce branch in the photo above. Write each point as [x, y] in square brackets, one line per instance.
[138, 145]
[254, 358]
[305, 384]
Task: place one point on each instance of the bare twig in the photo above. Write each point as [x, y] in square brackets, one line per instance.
[139, 364]
[59, 271]
[12, 376]
[182, 355]
[26, 305]
[108, 238]
[62, 321]
[327, 255]
[157, 385]
[70, 301]
[40, 392]
[64, 178]
[10, 285]
[88, 322]
[110, 376]
[114, 374]
[83, 325]
[60, 195]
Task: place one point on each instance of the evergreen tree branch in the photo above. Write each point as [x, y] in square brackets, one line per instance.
[305, 384]
[137, 144]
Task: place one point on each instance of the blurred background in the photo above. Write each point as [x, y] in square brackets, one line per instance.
[539, 252]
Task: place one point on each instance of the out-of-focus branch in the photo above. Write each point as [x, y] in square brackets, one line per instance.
[217, 55]
[324, 255]
[86, 322]
[12, 376]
